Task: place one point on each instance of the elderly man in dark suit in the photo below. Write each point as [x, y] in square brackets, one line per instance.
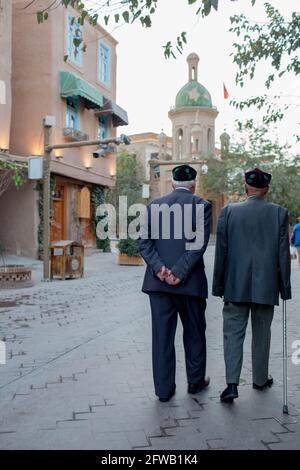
[252, 266]
[175, 280]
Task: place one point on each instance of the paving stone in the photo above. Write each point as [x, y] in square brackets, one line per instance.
[79, 359]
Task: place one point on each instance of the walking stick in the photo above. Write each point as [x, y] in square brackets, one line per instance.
[285, 405]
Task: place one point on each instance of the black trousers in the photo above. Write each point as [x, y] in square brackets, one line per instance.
[165, 308]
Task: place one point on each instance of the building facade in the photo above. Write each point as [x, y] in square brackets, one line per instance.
[5, 73]
[53, 77]
[150, 146]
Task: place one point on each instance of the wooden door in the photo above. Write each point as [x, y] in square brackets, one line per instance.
[58, 221]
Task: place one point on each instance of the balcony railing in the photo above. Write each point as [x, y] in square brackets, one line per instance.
[73, 134]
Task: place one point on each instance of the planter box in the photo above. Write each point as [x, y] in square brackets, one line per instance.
[124, 259]
[15, 276]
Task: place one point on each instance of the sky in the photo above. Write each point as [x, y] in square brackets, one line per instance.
[147, 83]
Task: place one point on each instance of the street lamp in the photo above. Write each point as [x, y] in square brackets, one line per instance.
[103, 150]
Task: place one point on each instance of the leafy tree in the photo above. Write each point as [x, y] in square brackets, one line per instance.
[122, 12]
[129, 180]
[98, 197]
[277, 40]
[256, 149]
[10, 171]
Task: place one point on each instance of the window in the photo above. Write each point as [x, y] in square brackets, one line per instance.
[103, 127]
[180, 143]
[209, 140]
[72, 118]
[104, 63]
[74, 32]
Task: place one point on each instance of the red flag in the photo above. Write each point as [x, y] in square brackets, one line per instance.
[225, 92]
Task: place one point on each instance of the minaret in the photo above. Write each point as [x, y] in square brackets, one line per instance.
[193, 61]
[162, 145]
[193, 117]
[225, 143]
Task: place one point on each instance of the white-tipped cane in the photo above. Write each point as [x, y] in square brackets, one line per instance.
[285, 405]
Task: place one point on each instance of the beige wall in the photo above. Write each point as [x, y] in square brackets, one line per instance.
[38, 57]
[19, 220]
[5, 72]
[31, 81]
[143, 151]
[144, 145]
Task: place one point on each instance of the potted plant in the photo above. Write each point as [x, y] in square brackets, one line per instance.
[129, 253]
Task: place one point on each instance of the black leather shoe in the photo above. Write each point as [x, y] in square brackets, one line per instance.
[268, 383]
[195, 388]
[165, 399]
[229, 394]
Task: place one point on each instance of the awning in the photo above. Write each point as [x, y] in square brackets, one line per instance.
[119, 115]
[72, 85]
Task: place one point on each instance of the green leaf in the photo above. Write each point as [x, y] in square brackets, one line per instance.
[94, 19]
[84, 14]
[206, 7]
[214, 3]
[77, 42]
[66, 57]
[106, 19]
[125, 15]
[147, 21]
[40, 17]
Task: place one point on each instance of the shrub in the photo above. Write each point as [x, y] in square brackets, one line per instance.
[129, 247]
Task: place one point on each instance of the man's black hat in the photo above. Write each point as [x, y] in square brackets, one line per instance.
[258, 178]
[184, 173]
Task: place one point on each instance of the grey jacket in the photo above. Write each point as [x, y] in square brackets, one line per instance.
[252, 258]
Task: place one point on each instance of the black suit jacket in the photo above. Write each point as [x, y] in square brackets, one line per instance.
[186, 264]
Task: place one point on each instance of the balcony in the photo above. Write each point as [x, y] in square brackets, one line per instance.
[74, 135]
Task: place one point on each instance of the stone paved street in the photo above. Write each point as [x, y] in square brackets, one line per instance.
[78, 372]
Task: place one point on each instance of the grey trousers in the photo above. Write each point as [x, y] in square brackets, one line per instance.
[235, 320]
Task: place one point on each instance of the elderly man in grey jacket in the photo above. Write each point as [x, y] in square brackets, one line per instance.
[252, 266]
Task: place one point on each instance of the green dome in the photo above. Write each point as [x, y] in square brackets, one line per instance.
[193, 94]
